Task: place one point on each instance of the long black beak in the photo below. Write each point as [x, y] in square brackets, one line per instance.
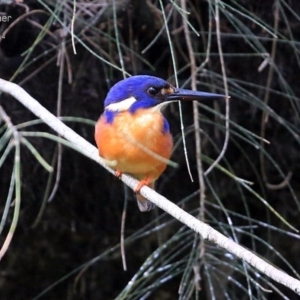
[189, 95]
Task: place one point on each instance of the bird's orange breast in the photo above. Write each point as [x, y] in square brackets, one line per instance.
[137, 141]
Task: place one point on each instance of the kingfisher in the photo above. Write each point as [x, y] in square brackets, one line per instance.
[133, 133]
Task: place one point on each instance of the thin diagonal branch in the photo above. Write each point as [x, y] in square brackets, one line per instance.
[206, 232]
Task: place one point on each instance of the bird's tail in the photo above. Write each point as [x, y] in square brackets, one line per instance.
[143, 203]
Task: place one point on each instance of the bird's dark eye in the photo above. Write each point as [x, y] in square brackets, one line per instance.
[152, 91]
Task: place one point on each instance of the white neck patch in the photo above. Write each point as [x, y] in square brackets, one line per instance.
[121, 105]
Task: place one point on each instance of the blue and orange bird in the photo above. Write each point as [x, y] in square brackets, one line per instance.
[133, 133]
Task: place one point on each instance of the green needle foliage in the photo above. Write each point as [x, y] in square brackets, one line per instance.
[61, 213]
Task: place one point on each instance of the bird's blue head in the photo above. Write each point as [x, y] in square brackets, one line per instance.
[142, 92]
[137, 92]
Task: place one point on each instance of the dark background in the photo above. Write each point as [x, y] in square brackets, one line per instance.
[83, 220]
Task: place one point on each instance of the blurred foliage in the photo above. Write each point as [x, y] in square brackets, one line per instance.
[68, 248]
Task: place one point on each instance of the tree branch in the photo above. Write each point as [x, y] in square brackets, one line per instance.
[207, 232]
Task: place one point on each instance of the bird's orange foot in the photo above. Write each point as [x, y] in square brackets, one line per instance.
[118, 173]
[141, 184]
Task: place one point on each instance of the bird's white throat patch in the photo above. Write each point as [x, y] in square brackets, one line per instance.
[162, 105]
[121, 105]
